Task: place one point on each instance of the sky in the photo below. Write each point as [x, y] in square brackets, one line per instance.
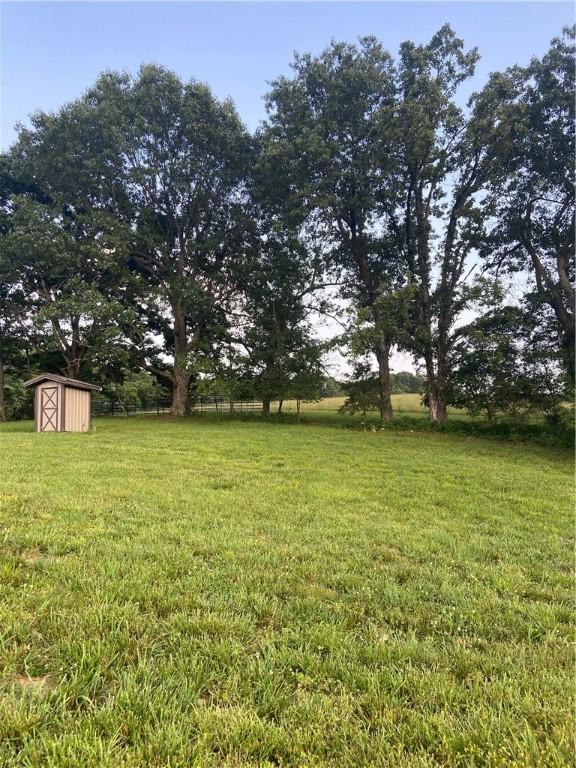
[51, 51]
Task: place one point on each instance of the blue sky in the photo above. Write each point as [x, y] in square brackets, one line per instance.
[50, 52]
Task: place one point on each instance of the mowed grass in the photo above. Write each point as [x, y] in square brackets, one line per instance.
[238, 593]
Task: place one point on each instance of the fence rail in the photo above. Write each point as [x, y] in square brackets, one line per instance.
[124, 408]
[205, 404]
[225, 405]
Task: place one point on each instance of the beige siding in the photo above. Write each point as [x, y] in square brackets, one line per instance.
[77, 410]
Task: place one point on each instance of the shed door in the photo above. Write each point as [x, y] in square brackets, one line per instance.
[49, 409]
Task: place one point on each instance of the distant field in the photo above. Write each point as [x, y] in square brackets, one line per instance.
[221, 593]
[401, 404]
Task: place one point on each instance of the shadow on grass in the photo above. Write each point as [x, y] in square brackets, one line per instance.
[558, 436]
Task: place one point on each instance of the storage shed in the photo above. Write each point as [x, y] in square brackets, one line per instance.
[61, 404]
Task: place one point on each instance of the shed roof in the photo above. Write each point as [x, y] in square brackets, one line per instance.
[74, 383]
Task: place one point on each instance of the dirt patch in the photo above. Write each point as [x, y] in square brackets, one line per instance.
[32, 556]
[35, 683]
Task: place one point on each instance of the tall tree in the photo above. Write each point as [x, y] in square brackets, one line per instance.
[393, 170]
[185, 157]
[328, 129]
[13, 327]
[65, 238]
[282, 282]
[15, 307]
[437, 213]
[533, 180]
[275, 330]
[69, 277]
[167, 160]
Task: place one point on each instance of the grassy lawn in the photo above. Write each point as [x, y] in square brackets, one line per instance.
[411, 415]
[235, 593]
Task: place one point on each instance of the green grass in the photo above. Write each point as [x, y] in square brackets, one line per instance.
[234, 593]
[411, 415]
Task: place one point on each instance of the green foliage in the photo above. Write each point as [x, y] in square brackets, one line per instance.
[187, 158]
[144, 175]
[328, 126]
[561, 421]
[555, 431]
[18, 399]
[361, 391]
[143, 228]
[134, 389]
[500, 365]
[67, 268]
[331, 387]
[284, 272]
[532, 180]
[404, 381]
[231, 387]
[13, 334]
[306, 376]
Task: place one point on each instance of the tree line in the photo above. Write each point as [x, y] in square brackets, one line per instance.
[143, 228]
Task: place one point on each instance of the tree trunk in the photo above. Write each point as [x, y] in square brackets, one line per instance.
[559, 294]
[442, 379]
[280, 404]
[266, 405]
[180, 404]
[382, 350]
[569, 355]
[437, 407]
[298, 403]
[3, 414]
[76, 350]
[437, 389]
[420, 268]
[383, 357]
[181, 382]
[72, 367]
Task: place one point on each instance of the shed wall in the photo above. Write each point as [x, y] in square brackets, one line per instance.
[77, 410]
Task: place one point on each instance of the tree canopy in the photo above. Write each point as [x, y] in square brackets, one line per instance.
[145, 232]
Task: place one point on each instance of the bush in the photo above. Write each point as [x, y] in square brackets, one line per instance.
[19, 400]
